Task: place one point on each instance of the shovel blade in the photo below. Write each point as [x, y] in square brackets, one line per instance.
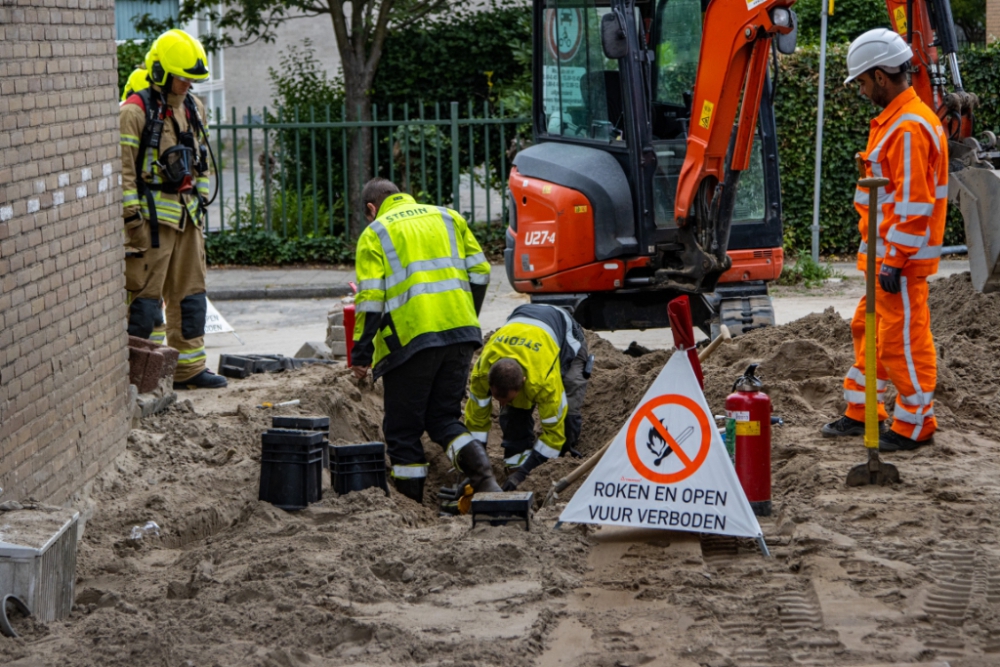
[875, 473]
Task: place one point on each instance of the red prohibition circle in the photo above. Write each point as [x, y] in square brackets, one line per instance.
[690, 465]
[552, 39]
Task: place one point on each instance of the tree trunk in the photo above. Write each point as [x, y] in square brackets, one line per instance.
[359, 155]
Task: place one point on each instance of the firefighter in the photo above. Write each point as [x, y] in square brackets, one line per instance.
[137, 81]
[908, 146]
[165, 181]
[537, 359]
[422, 279]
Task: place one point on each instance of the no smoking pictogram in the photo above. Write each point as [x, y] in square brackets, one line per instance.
[645, 420]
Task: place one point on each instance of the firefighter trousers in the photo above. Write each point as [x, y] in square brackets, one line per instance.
[518, 425]
[906, 357]
[424, 394]
[174, 273]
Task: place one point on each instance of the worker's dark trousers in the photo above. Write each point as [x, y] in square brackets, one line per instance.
[425, 394]
[518, 424]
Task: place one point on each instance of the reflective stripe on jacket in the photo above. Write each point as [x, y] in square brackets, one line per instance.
[908, 146]
[170, 208]
[537, 337]
[415, 263]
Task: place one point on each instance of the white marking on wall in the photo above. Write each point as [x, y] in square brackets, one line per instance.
[6, 213]
[63, 180]
[119, 179]
[85, 174]
[81, 192]
[33, 206]
[106, 169]
[58, 197]
[39, 187]
[102, 186]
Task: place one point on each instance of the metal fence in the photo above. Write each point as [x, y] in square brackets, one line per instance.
[287, 171]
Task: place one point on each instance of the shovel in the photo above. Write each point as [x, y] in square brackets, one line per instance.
[874, 472]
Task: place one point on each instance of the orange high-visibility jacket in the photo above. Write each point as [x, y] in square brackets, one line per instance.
[908, 146]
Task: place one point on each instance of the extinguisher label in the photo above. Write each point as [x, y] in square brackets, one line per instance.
[738, 415]
[747, 428]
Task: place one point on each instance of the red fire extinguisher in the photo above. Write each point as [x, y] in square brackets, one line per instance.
[748, 431]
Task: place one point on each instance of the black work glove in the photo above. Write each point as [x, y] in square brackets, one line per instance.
[888, 278]
[521, 473]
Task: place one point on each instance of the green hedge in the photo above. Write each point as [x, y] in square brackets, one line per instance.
[845, 132]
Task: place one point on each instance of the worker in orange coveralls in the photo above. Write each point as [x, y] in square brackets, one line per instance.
[908, 146]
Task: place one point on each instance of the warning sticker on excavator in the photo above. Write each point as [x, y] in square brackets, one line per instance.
[580, 209]
[706, 114]
[753, 3]
[899, 14]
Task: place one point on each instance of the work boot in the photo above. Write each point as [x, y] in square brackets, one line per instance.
[847, 426]
[891, 441]
[412, 488]
[203, 380]
[474, 462]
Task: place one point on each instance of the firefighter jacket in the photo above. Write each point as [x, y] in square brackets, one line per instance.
[541, 339]
[415, 263]
[171, 209]
[908, 146]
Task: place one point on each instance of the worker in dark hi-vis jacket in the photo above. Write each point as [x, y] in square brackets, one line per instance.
[422, 280]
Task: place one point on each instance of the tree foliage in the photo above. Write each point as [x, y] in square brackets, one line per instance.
[850, 19]
[130, 55]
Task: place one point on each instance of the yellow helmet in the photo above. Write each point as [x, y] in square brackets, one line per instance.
[137, 81]
[176, 53]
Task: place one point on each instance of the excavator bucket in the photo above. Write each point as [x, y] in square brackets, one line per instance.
[977, 193]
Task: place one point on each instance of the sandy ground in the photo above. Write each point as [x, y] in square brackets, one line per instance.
[865, 576]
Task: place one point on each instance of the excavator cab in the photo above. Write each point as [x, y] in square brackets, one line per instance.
[629, 196]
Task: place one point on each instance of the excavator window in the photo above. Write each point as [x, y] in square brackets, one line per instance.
[678, 44]
[581, 89]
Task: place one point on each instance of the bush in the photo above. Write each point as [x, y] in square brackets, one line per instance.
[805, 272]
[255, 247]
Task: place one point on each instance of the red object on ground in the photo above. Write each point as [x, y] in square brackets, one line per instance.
[750, 409]
[679, 311]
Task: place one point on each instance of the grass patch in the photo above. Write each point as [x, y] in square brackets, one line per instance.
[806, 272]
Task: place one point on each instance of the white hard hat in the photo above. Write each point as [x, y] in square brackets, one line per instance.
[881, 48]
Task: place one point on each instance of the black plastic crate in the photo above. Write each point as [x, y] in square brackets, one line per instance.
[291, 468]
[290, 481]
[358, 467]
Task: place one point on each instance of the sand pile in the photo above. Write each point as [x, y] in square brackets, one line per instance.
[859, 576]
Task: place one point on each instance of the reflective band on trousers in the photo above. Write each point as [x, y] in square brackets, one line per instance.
[456, 446]
[917, 419]
[908, 354]
[858, 397]
[917, 400]
[517, 459]
[545, 450]
[191, 356]
[410, 471]
[855, 374]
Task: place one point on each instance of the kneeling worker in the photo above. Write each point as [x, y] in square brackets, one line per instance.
[538, 358]
[422, 279]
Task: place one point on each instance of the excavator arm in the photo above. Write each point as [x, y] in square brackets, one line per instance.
[732, 69]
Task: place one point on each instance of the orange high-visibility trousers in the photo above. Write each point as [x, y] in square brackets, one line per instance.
[906, 357]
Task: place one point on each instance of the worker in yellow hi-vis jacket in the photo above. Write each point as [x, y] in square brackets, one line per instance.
[422, 279]
[537, 359]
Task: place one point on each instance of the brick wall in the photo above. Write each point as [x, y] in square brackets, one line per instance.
[63, 345]
[992, 20]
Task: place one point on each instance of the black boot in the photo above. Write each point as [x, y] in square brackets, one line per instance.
[412, 488]
[473, 461]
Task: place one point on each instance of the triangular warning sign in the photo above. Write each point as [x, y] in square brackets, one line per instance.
[667, 468]
[214, 321]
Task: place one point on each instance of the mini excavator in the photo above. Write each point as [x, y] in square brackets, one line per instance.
[654, 171]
